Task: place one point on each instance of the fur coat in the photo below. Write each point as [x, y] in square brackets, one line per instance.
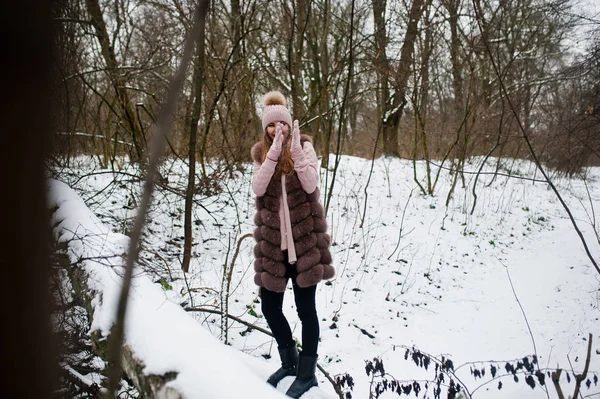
[309, 227]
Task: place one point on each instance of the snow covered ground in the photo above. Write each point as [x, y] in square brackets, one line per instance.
[508, 281]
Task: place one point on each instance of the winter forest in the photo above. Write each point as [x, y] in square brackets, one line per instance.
[458, 147]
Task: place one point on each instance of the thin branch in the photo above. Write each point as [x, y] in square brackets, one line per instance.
[525, 317]
[162, 128]
[466, 172]
[580, 377]
[556, 381]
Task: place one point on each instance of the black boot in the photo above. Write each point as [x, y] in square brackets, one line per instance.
[306, 379]
[289, 362]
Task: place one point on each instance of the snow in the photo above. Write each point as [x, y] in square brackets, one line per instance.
[511, 280]
[158, 331]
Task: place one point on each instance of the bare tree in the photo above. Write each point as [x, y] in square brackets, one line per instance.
[116, 78]
[525, 134]
[421, 97]
[197, 95]
[163, 125]
[300, 16]
[393, 76]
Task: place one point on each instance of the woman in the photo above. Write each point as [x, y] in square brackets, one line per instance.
[291, 238]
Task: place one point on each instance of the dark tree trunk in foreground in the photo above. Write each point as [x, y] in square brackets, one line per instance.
[25, 342]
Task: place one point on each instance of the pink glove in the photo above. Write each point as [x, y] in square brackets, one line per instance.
[296, 145]
[275, 150]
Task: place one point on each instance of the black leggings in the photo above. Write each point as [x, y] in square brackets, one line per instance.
[272, 308]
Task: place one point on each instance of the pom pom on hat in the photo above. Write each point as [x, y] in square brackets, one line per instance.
[275, 109]
[274, 98]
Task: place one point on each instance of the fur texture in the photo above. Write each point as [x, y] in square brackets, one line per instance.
[274, 98]
[309, 230]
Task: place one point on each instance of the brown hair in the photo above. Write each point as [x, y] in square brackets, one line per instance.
[285, 164]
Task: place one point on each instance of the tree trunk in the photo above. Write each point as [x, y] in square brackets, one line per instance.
[197, 93]
[117, 81]
[392, 113]
[457, 85]
[342, 118]
[381, 64]
[240, 113]
[28, 109]
[424, 100]
[300, 23]
[324, 125]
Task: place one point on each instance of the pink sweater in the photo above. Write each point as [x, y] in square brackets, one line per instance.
[305, 165]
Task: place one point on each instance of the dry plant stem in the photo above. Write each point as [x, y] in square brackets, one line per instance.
[189, 290]
[451, 373]
[267, 332]
[460, 159]
[162, 127]
[592, 217]
[474, 191]
[479, 17]
[555, 379]
[526, 321]
[366, 189]
[229, 316]
[223, 294]
[402, 223]
[581, 377]
[163, 259]
[227, 274]
[493, 380]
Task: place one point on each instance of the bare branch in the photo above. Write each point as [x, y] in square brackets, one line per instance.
[162, 128]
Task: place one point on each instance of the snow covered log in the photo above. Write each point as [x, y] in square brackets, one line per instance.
[152, 386]
[167, 354]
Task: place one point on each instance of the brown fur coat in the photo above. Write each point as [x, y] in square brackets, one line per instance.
[308, 230]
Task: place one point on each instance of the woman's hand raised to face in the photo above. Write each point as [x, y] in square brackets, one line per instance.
[275, 150]
[296, 145]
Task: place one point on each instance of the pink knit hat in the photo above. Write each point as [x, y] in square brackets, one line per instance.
[275, 109]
